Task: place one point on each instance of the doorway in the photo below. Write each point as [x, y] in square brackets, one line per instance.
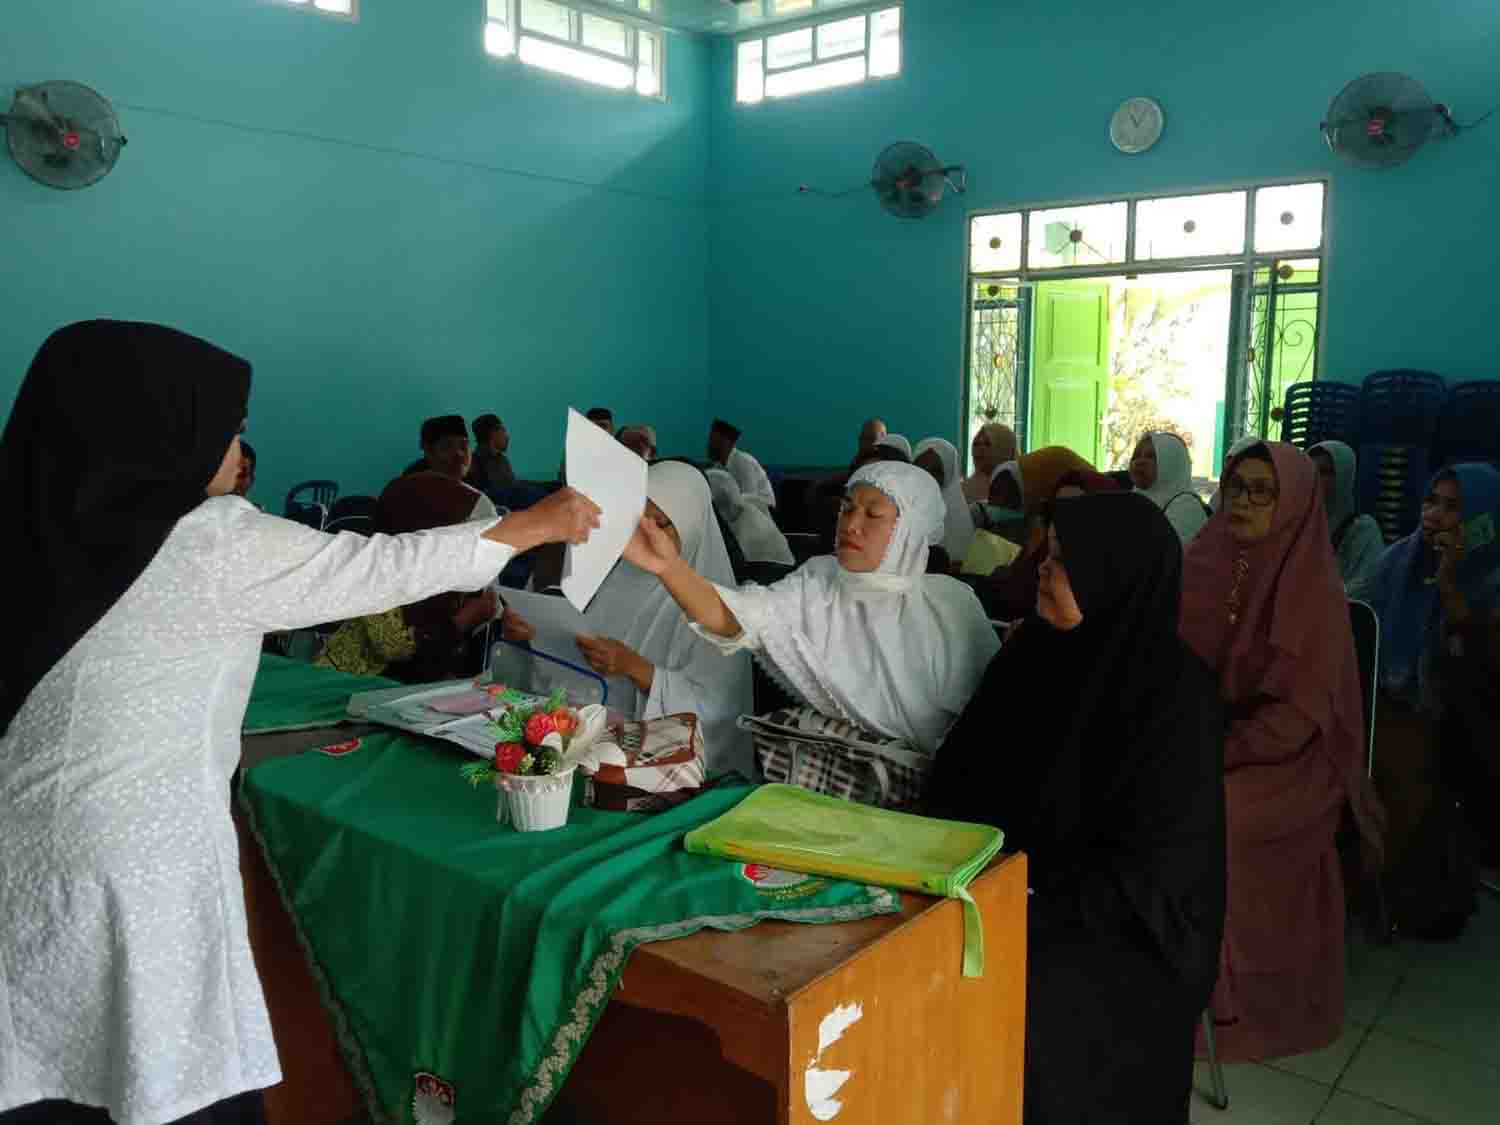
[1071, 350]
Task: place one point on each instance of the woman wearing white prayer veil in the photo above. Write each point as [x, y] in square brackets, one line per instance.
[1161, 468]
[958, 521]
[656, 664]
[756, 532]
[865, 636]
[898, 442]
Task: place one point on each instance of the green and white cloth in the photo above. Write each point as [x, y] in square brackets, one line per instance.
[451, 946]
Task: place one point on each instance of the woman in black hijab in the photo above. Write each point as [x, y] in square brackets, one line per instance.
[1119, 805]
[127, 987]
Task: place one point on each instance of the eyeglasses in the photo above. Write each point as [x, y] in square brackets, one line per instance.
[1262, 493]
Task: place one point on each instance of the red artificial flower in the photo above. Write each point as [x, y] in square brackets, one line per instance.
[539, 726]
[508, 756]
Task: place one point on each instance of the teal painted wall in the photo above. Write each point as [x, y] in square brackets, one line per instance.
[332, 201]
[825, 311]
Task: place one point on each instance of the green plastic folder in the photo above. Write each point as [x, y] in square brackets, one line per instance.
[799, 830]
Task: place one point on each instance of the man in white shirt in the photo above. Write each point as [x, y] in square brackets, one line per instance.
[723, 452]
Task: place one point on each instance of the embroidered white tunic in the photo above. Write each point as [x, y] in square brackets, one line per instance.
[126, 979]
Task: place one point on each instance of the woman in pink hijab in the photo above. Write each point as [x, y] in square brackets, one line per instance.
[1263, 605]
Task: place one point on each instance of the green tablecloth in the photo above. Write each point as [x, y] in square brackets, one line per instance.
[295, 695]
[452, 946]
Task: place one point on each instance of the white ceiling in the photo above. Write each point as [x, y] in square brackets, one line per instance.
[723, 17]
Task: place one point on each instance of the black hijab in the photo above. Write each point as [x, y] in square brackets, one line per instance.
[1118, 794]
[116, 432]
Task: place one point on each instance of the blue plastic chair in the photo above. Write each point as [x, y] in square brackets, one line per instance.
[311, 501]
[1469, 427]
[1321, 411]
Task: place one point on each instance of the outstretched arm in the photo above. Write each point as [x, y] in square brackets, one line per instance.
[653, 550]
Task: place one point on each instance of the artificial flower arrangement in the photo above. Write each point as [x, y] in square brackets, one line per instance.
[539, 743]
[532, 736]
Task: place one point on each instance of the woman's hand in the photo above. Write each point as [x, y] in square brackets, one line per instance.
[514, 627]
[651, 548]
[610, 657]
[475, 611]
[1452, 546]
[566, 516]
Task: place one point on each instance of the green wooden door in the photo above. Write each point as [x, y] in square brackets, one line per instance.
[1070, 365]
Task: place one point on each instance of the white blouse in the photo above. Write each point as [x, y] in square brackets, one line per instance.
[126, 979]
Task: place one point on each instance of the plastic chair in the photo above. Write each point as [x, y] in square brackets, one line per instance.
[1219, 1099]
[1469, 426]
[1391, 483]
[525, 668]
[1321, 411]
[352, 513]
[1365, 623]
[309, 497]
[1398, 419]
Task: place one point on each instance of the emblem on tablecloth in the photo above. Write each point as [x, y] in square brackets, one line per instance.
[339, 749]
[775, 882]
[433, 1100]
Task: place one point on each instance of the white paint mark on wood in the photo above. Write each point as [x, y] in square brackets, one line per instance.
[819, 1086]
[835, 1023]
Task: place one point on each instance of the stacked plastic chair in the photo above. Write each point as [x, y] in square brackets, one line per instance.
[1398, 423]
[1321, 411]
[1469, 429]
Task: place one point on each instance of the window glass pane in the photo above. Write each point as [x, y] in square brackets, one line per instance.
[749, 83]
[782, 7]
[605, 35]
[498, 10]
[576, 63]
[995, 242]
[885, 43]
[792, 48]
[840, 72]
[1077, 236]
[1188, 225]
[546, 17]
[498, 39]
[343, 7]
[841, 37]
[648, 64]
[1289, 217]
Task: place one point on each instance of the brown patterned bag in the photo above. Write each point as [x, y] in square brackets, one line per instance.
[803, 747]
[663, 765]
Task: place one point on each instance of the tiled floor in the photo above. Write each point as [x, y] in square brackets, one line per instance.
[1421, 1044]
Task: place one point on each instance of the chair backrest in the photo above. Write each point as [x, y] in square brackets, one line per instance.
[1322, 411]
[323, 492]
[351, 506]
[1469, 429]
[313, 515]
[360, 525]
[1366, 625]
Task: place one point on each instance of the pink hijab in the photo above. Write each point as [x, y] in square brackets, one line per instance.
[1271, 618]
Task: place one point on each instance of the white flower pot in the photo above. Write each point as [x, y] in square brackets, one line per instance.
[535, 804]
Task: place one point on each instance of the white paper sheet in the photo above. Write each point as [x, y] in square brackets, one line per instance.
[556, 622]
[614, 478]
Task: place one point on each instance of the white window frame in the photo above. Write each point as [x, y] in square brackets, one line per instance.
[634, 29]
[351, 16]
[819, 18]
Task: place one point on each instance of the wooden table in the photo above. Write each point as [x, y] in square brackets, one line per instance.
[746, 1028]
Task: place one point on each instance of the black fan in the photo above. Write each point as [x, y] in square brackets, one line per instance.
[909, 180]
[1379, 120]
[63, 134]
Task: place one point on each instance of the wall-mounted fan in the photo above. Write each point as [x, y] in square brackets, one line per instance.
[909, 180]
[1379, 120]
[63, 134]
